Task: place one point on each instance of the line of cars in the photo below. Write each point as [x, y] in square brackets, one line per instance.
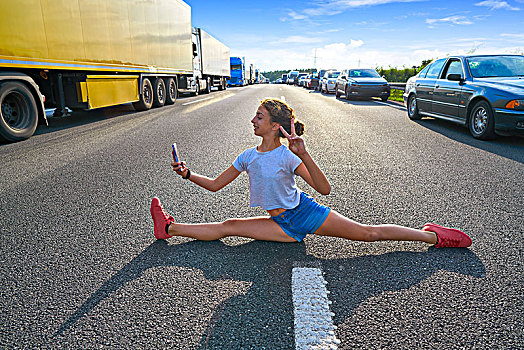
[352, 83]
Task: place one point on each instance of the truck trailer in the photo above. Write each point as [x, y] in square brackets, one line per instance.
[210, 62]
[81, 55]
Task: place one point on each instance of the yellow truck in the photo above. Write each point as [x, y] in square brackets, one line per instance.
[90, 54]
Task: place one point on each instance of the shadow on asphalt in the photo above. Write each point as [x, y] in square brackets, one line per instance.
[78, 118]
[360, 101]
[254, 316]
[511, 147]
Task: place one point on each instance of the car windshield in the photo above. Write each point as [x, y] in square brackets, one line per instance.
[363, 73]
[496, 66]
[333, 74]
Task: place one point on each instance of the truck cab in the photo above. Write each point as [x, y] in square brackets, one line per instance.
[238, 72]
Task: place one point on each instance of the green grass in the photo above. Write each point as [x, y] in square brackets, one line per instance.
[396, 95]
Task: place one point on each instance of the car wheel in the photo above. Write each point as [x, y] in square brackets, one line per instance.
[481, 122]
[337, 93]
[347, 94]
[413, 108]
[384, 99]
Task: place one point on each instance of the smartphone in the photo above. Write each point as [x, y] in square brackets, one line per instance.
[176, 156]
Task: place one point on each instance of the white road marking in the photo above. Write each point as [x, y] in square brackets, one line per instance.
[314, 328]
[283, 98]
[391, 105]
[202, 99]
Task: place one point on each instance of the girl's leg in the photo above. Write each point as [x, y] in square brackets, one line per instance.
[259, 228]
[337, 225]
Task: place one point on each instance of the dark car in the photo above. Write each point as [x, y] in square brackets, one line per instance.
[484, 93]
[362, 82]
[299, 78]
[315, 78]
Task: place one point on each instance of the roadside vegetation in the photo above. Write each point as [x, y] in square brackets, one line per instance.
[396, 95]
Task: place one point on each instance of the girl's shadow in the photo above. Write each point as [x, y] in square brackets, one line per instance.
[255, 319]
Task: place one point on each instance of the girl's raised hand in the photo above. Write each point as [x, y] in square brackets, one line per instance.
[296, 143]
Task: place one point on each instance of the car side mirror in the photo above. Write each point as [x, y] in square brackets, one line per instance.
[454, 77]
[343, 77]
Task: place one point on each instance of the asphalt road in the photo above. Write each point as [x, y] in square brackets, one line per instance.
[80, 268]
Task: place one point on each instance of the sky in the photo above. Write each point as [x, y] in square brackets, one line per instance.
[339, 34]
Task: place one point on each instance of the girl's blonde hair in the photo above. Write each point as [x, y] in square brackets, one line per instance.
[282, 113]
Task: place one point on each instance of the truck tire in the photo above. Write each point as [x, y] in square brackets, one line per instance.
[171, 91]
[221, 85]
[208, 86]
[159, 96]
[197, 90]
[146, 97]
[18, 113]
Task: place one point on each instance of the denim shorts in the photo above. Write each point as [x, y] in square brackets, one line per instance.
[305, 218]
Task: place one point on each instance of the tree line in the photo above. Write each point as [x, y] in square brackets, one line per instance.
[394, 75]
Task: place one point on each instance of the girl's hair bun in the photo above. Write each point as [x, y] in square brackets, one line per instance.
[299, 127]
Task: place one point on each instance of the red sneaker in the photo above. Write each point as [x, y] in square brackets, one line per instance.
[448, 237]
[160, 219]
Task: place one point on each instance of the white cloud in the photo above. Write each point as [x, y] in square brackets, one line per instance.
[296, 16]
[497, 5]
[298, 39]
[517, 37]
[334, 7]
[461, 20]
[345, 55]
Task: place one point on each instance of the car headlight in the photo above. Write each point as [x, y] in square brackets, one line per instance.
[515, 104]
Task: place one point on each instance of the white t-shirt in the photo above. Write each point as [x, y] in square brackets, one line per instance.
[271, 177]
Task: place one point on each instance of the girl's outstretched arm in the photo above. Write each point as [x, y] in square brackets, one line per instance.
[212, 185]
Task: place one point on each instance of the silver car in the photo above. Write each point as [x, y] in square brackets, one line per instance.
[362, 82]
[329, 81]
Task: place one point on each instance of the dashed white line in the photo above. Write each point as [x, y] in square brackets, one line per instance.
[314, 328]
[283, 98]
[202, 99]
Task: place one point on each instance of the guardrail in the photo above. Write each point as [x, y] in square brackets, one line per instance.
[398, 86]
